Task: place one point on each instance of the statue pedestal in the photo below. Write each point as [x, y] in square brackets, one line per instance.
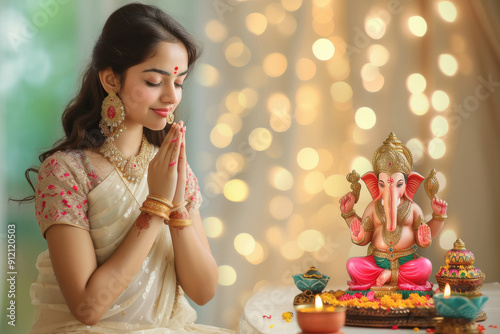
[384, 290]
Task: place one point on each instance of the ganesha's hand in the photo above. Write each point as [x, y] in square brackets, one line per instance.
[347, 202]
[439, 206]
[424, 235]
[357, 232]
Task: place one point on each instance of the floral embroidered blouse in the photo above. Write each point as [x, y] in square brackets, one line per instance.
[64, 180]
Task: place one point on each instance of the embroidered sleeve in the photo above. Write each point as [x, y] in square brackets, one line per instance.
[61, 193]
[193, 194]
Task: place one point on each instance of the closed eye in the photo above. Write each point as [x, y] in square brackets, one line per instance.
[150, 84]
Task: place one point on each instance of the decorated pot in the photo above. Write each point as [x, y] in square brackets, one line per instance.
[459, 271]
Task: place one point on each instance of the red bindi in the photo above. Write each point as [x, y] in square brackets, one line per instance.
[175, 69]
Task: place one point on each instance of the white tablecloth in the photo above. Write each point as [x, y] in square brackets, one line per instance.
[271, 302]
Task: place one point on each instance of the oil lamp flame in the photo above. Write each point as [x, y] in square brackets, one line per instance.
[318, 303]
[447, 291]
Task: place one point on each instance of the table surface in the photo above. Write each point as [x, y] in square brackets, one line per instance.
[262, 313]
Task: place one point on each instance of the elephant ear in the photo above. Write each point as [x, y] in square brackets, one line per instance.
[371, 181]
[412, 184]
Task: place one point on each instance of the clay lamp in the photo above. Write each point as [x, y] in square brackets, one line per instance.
[459, 311]
[318, 318]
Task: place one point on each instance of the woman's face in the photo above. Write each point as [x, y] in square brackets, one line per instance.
[153, 89]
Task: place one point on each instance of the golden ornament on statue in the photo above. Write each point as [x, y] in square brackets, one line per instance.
[353, 178]
[431, 184]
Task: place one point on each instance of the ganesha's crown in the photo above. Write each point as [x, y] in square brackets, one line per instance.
[392, 157]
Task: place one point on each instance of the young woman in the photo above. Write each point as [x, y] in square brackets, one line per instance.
[116, 200]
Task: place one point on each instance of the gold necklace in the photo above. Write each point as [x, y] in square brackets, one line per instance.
[133, 167]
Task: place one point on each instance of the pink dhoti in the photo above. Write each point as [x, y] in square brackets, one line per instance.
[412, 271]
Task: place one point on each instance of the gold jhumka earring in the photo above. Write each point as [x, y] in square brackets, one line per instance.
[112, 116]
[170, 118]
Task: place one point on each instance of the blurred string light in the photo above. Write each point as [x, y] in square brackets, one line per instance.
[375, 27]
[244, 243]
[307, 158]
[416, 83]
[221, 135]
[439, 126]
[230, 163]
[236, 190]
[365, 118]
[207, 75]
[274, 236]
[258, 255]
[417, 25]
[314, 182]
[213, 227]
[260, 139]
[447, 10]
[305, 69]
[275, 64]
[280, 178]
[440, 100]
[275, 13]
[307, 99]
[341, 91]
[311, 240]
[227, 275]
[323, 49]
[236, 52]
[288, 26]
[334, 185]
[325, 159]
[419, 104]
[448, 64]
[378, 54]
[417, 149]
[291, 250]
[232, 120]
[215, 31]
[361, 165]
[436, 148]
[291, 5]
[256, 23]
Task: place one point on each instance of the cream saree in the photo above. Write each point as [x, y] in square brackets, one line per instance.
[153, 302]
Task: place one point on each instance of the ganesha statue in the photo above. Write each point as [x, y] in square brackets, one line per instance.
[392, 223]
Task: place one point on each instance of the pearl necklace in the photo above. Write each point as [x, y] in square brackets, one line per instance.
[133, 167]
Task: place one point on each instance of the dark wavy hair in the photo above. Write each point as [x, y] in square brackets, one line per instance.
[130, 36]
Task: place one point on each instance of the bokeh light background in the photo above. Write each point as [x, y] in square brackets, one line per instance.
[289, 97]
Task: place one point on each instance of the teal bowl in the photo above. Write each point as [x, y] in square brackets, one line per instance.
[315, 285]
[458, 306]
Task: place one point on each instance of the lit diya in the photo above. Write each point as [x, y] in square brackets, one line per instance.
[458, 310]
[320, 319]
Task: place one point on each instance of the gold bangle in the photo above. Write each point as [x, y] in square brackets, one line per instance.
[180, 222]
[154, 213]
[358, 242]
[439, 217]
[180, 206]
[348, 214]
[156, 208]
[161, 200]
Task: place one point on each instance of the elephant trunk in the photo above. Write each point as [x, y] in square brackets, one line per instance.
[391, 207]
